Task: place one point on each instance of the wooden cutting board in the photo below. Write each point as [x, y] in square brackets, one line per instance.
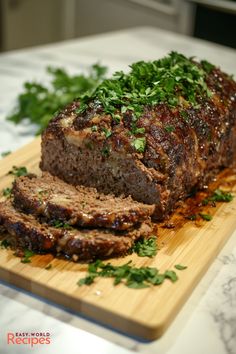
[145, 312]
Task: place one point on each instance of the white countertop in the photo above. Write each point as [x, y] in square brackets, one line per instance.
[207, 322]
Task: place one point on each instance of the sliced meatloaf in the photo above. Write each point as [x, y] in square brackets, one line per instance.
[155, 133]
[82, 244]
[54, 199]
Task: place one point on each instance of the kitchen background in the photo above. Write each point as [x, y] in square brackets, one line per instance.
[26, 23]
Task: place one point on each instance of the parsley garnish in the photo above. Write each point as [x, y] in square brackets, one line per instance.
[7, 192]
[58, 224]
[146, 247]
[219, 196]
[106, 151]
[5, 244]
[169, 128]
[180, 267]
[132, 277]
[139, 144]
[206, 217]
[208, 67]
[184, 115]
[38, 103]
[27, 256]
[168, 80]
[107, 132]
[18, 171]
[48, 267]
[5, 153]
[135, 130]
[170, 274]
[94, 128]
[191, 217]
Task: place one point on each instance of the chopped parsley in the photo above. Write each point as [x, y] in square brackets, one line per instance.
[191, 217]
[106, 151]
[58, 224]
[180, 267]
[94, 128]
[27, 256]
[130, 276]
[168, 80]
[7, 192]
[169, 128]
[146, 247]
[18, 171]
[219, 196]
[5, 153]
[208, 67]
[139, 144]
[5, 244]
[107, 132]
[184, 115]
[206, 217]
[135, 130]
[48, 267]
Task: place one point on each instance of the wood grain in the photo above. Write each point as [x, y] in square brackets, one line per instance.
[145, 312]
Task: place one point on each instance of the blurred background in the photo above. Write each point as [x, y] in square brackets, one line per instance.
[26, 23]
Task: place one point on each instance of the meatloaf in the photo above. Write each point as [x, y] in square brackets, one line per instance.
[156, 133]
[53, 199]
[78, 244]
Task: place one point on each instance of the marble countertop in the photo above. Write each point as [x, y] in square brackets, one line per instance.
[207, 322]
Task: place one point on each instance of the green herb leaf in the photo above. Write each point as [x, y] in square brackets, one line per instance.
[191, 217]
[107, 133]
[5, 153]
[169, 128]
[18, 171]
[94, 128]
[208, 67]
[60, 224]
[219, 196]
[146, 247]
[206, 217]
[48, 267]
[5, 244]
[7, 192]
[139, 144]
[180, 267]
[170, 274]
[27, 256]
[106, 151]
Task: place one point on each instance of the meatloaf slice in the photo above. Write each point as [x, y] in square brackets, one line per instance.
[82, 244]
[156, 133]
[52, 198]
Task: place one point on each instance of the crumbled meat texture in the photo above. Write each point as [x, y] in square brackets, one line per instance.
[173, 162]
[79, 244]
[54, 199]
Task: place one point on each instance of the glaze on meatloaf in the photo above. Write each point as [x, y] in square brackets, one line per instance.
[27, 232]
[155, 133]
[51, 198]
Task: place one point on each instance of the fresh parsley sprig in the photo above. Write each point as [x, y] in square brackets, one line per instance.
[38, 103]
